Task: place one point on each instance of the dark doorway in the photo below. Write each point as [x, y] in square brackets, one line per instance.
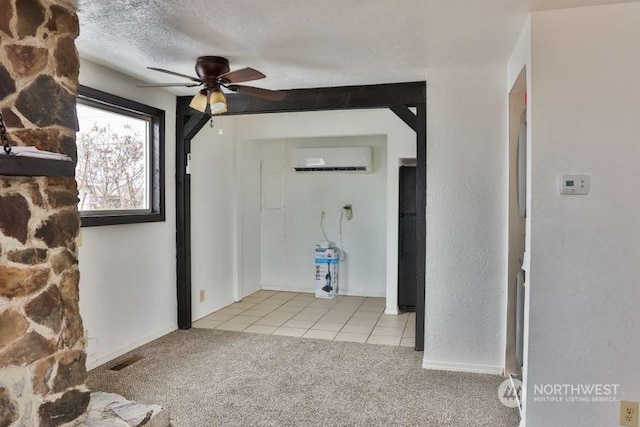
[407, 240]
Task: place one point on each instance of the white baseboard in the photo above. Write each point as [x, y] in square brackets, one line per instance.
[286, 289]
[462, 367]
[340, 291]
[364, 294]
[216, 307]
[391, 310]
[93, 362]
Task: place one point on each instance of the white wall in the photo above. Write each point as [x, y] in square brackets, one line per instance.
[128, 272]
[289, 234]
[467, 206]
[466, 217]
[521, 59]
[521, 56]
[213, 218]
[400, 144]
[584, 293]
[249, 266]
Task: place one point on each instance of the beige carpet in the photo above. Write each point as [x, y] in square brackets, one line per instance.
[219, 378]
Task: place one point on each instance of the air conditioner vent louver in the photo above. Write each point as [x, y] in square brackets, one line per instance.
[336, 159]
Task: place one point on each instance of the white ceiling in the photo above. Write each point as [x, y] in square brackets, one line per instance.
[304, 43]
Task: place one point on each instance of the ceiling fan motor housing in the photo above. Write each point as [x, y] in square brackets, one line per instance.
[209, 68]
[214, 72]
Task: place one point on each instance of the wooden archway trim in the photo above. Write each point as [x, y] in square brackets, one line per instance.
[401, 98]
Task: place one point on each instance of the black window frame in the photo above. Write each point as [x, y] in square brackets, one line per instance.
[99, 99]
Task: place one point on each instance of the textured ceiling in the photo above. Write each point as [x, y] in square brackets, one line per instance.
[302, 43]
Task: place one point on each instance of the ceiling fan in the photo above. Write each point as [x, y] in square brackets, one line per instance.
[214, 73]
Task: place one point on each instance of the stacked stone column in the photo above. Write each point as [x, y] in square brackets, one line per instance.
[42, 356]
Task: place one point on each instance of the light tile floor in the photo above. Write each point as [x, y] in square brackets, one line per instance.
[355, 319]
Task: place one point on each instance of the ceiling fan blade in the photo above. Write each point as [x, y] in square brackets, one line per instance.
[162, 70]
[241, 75]
[170, 85]
[271, 95]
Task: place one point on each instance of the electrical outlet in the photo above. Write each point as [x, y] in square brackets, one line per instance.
[348, 212]
[629, 414]
[201, 295]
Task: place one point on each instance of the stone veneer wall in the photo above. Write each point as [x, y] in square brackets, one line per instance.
[42, 356]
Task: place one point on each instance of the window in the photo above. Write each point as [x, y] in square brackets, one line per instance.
[120, 168]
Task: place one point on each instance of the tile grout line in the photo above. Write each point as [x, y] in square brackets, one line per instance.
[374, 326]
[350, 317]
[291, 315]
[344, 324]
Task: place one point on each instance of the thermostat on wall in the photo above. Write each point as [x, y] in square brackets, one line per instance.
[574, 184]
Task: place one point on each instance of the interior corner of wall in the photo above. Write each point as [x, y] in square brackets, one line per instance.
[520, 55]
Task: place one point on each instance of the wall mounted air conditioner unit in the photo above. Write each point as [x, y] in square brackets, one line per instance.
[338, 159]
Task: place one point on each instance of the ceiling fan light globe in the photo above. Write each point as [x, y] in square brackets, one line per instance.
[218, 102]
[219, 108]
[199, 102]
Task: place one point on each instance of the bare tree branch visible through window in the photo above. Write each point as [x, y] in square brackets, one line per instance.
[111, 170]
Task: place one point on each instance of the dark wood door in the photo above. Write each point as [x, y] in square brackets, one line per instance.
[407, 240]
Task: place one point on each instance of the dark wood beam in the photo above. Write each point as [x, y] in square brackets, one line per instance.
[396, 96]
[421, 222]
[327, 98]
[193, 124]
[406, 115]
[188, 124]
[183, 257]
